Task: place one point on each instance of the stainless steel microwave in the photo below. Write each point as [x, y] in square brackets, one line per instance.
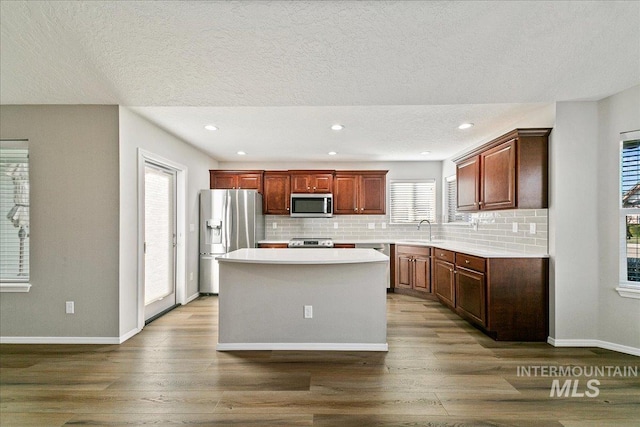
[311, 205]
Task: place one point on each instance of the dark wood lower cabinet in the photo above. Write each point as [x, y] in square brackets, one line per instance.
[505, 297]
[413, 269]
[471, 295]
[444, 282]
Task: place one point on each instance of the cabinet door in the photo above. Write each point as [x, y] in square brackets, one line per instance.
[300, 183]
[276, 193]
[224, 181]
[468, 184]
[322, 183]
[404, 269]
[345, 196]
[470, 295]
[443, 282]
[498, 177]
[422, 274]
[273, 245]
[372, 198]
[250, 181]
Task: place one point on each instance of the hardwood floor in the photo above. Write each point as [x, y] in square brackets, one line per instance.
[439, 371]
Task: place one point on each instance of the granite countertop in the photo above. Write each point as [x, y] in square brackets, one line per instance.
[303, 256]
[449, 245]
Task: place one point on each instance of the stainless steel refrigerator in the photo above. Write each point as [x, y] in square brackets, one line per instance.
[229, 220]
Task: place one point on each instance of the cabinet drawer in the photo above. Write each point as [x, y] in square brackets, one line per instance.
[414, 250]
[443, 255]
[471, 262]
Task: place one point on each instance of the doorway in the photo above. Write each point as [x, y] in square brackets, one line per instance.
[160, 240]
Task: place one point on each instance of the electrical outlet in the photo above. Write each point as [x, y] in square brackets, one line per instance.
[308, 311]
[192, 227]
[191, 275]
[371, 226]
[383, 225]
[335, 225]
[532, 228]
[70, 307]
[514, 227]
[275, 225]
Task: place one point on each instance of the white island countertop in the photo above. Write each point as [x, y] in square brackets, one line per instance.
[303, 256]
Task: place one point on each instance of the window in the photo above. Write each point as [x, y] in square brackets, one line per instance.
[451, 191]
[14, 214]
[412, 201]
[630, 212]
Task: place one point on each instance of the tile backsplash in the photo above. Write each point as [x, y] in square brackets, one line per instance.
[486, 229]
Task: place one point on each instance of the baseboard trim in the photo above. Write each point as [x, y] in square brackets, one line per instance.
[594, 343]
[70, 340]
[192, 297]
[129, 334]
[60, 340]
[303, 346]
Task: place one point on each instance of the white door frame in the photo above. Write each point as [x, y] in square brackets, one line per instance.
[181, 211]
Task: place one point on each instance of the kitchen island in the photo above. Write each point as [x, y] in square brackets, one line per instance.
[303, 299]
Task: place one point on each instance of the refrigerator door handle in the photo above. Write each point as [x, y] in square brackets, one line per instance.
[227, 225]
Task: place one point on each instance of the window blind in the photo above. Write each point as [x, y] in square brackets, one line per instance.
[630, 175]
[412, 201]
[452, 203]
[14, 211]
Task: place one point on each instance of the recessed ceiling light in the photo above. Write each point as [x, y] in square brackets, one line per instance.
[426, 153]
[210, 127]
[465, 126]
[332, 153]
[337, 127]
[241, 153]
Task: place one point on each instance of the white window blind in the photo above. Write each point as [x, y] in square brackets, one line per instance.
[412, 201]
[629, 208]
[14, 211]
[452, 202]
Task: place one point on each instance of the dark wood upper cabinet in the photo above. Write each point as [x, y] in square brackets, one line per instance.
[236, 180]
[277, 185]
[311, 181]
[509, 172]
[359, 192]
[498, 177]
[468, 181]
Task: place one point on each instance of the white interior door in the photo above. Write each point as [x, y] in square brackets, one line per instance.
[159, 240]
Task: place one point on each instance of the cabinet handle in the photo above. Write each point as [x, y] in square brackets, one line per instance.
[481, 203]
[355, 209]
[287, 208]
[466, 261]
[361, 209]
[450, 270]
[308, 188]
[314, 188]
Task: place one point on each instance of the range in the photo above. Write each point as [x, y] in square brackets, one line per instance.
[311, 242]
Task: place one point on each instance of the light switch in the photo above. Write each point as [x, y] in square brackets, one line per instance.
[514, 227]
[335, 225]
[532, 228]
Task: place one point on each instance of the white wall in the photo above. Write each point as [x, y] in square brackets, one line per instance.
[136, 132]
[619, 318]
[583, 224]
[573, 222]
[74, 223]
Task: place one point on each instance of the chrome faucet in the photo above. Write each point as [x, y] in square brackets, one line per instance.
[428, 222]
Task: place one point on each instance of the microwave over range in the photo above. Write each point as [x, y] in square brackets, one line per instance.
[311, 205]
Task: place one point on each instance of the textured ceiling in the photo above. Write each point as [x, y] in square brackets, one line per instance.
[400, 75]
